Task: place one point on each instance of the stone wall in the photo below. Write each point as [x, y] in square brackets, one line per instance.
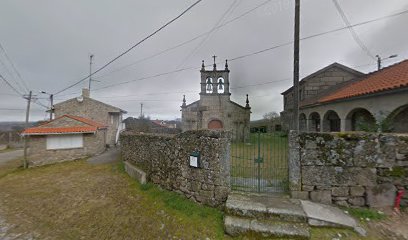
[349, 169]
[165, 159]
[39, 155]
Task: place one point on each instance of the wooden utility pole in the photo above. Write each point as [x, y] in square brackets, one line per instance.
[296, 68]
[25, 162]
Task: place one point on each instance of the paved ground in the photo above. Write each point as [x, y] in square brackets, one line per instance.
[109, 156]
[10, 155]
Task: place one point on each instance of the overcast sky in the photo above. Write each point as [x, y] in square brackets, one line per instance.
[49, 42]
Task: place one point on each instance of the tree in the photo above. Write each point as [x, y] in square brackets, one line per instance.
[273, 119]
[272, 116]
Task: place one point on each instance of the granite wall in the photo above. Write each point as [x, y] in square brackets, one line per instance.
[165, 160]
[349, 169]
[38, 154]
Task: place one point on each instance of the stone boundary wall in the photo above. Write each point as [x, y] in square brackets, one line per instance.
[165, 160]
[349, 169]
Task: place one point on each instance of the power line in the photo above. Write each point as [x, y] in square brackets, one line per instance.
[254, 53]
[14, 67]
[208, 35]
[11, 75]
[257, 52]
[11, 86]
[188, 41]
[355, 36]
[132, 47]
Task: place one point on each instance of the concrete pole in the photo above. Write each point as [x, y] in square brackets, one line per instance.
[52, 105]
[25, 162]
[296, 68]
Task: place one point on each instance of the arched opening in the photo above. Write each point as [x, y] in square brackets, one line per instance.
[215, 124]
[314, 122]
[209, 85]
[360, 119]
[221, 86]
[331, 122]
[302, 122]
[397, 121]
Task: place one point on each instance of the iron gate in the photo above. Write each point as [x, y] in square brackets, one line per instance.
[259, 162]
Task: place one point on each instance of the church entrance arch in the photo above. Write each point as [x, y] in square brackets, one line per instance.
[215, 124]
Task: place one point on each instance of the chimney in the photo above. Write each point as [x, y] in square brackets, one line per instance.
[85, 92]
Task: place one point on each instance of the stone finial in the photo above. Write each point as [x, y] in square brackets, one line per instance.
[214, 65]
[184, 101]
[247, 102]
[85, 92]
[202, 66]
[226, 64]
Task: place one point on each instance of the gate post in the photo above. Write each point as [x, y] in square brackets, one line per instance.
[295, 181]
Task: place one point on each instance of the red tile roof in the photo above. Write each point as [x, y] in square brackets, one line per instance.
[43, 129]
[392, 77]
[87, 121]
[56, 130]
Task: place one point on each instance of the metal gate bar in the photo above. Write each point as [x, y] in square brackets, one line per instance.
[259, 162]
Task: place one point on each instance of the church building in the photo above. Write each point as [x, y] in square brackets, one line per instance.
[215, 110]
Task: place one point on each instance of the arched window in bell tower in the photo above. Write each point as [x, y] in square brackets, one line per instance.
[209, 87]
[221, 86]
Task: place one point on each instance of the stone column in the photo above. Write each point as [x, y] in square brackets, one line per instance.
[343, 125]
[295, 181]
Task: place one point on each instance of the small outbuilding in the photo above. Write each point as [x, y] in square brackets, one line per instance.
[65, 138]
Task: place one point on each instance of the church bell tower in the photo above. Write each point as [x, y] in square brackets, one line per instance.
[215, 82]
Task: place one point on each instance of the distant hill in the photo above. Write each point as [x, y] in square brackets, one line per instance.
[14, 126]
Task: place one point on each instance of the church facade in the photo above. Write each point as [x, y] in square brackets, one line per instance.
[215, 110]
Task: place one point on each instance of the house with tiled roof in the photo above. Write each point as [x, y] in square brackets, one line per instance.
[65, 138]
[362, 102]
[89, 108]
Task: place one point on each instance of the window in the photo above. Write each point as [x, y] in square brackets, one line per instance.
[64, 141]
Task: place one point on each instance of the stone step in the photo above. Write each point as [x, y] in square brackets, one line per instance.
[236, 226]
[278, 208]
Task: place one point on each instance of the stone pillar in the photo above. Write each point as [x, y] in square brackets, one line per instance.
[295, 181]
[343, 125]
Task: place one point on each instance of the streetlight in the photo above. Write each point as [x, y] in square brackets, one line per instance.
[52, 102]
[379, 60]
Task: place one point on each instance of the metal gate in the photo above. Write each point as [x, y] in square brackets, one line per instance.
[259, 162]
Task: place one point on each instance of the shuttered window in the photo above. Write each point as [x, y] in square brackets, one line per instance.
[64, 141]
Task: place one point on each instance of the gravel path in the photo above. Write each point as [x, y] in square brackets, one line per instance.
[10, 155]
[109, 156]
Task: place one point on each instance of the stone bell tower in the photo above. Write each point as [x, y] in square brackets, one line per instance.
[215, 82]
[215, 110]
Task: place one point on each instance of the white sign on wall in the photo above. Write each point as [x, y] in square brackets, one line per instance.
[195, 159]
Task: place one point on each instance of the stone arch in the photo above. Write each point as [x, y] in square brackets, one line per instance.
[360, 119]
[314, 122]
[302, 122]
[221, 85]
[331, 122]
[215, 124]
[397, 120]
[209, 85]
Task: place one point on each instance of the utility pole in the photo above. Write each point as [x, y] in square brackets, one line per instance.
[296, 68]
[379, 60]
[52, 105]
[51, 102]
[141, 111]
[90, 72]
[25, 162]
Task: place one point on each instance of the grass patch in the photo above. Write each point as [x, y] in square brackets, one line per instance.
[11, 167]
[365, 213]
